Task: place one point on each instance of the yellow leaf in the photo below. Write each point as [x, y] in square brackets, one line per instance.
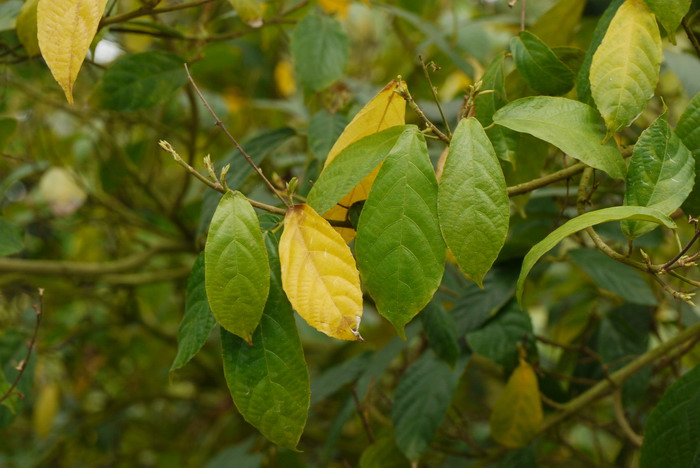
[65, 30]
[319, 274]
[517, 414]
[250, 11]
[26, 27]
[386, 109]
[284, 78]
[45, 409]
[335, 6]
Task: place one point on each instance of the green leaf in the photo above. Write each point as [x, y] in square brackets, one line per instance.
[625, 68]
[399, 248]
[669, 13]
[140, 81]
[573, 127]
[237, 274]
[498, 339]
[335, 378]
[614, 276]
[539, 66]
[672, 433]
[8, 126]
[616, 213]
[269, 381]
[353, 164]
[660, 176]
[530, 156]
[583, 83]
[384, 453]
[324, 130]
[473, 203]
[320, 50]
[503, 139]
[240, 453]
[422, 398]
[198, 322]
[688, 130]
[556, 26]
[27, 28]
[440, 329]
[11, 238]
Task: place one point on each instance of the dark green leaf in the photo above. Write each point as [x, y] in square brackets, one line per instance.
[573, 127]
[140, 81]
[198, 321]
[440, 328]
[399, 247]
[384, 453]
[338, 376]
[324, 130]
[539, 65]
[352, 165]
[669, 13]
[688, 130]
[8, 125]
[614, 276]
[236, 267]
[269, 381]
[240, 453]
[11, 238]
[473, 203]
[672, 433]
[422, 398]
[660, 176]
[320, 50]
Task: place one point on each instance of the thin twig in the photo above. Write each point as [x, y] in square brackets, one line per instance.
[691, 35]
[221, 125]
[622, 421]
[682, 252]
[39, 310]
[149, 10]
[405, 93]
[433, 89]
[363, 416]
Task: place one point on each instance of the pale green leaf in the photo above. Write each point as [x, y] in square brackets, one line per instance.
[422, 398]
[572, 126]
[672, 433]
[473, 203]
[324, 130]
[399, 247]
[616, 213]
[269, 381]
[140, 81]
[625, 68]
[320, 50]
[237, 275]
[11, 238]
[669, 13]
[688, 130]
[198, 321]
[352, 165]
[556, 26]
[539, 66]
[27, 28]
[661, 174]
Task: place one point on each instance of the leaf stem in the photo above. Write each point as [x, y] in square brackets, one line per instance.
[691, 35]
[406, 94]
[433, 89]
[247, 157]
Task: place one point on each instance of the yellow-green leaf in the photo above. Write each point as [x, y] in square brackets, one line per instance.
[625, 68]
[27, 27]
[249, 11]
[557, 26]
[517, 414]
[319, 274]
[386, 109]
[65, 29]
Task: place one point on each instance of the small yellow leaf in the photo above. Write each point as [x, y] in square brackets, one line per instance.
[46, 407]
[517, 414]
[284, 78]
[250, 11]
[26, 27]
[65, 30]
[319, 274]
[335, 6]
[386, 109]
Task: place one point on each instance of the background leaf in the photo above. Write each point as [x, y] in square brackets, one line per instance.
[27, 27]
[573, 127]
[669, 13]
[625, 68]
[688, 130]
[198, 322]
[320, 51]
[473, 203]
[556, 26]
[324, 130]
[237, 274]
[399, 248]
[269, 381]
[661, 174]
[440, 329]
[12, 238]
[539, 66]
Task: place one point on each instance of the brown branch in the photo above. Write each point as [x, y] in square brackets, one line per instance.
[405, 93]
[39, 310]
[691, 35]
[149, 10]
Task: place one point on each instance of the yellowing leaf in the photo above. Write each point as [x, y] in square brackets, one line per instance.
[335, 6]
[45, 409]
[65, 30]
[386, 109]
[517, 414]
[250, 11]
[284, 78]
[625, 68]
[27, 29]
[319, 274]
